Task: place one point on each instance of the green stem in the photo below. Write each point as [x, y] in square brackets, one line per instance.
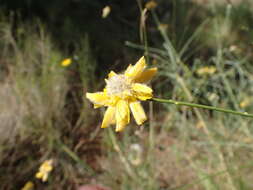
[245, 114]
[70, 153]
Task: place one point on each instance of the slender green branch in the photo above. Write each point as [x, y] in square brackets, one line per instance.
[70, 153]
[245, 114]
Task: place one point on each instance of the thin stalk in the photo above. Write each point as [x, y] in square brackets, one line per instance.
[151, 137]
[180, 103]
[208, 133]
[141, 47]
[124, 160]
[75, 157]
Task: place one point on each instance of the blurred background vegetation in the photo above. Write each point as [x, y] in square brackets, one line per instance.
[203, 49]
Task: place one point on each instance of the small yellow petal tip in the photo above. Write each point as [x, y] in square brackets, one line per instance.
[66, 62]
[151, 5]
[106, 11]
[136, 70]
[138, 112]
[111, 74]
[88, 95]
[142, 61]
[98, 99]
[208, 70]
[146, 75]
[163, 27]
[245, 103]
[28, 186]
[119, 128]
[109, 117]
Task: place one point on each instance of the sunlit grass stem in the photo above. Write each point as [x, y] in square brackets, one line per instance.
[180, 103]
[75, 157]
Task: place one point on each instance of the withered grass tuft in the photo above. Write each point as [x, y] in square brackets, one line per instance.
[44, 114]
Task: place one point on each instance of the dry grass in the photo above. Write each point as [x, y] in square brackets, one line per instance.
[44, 114]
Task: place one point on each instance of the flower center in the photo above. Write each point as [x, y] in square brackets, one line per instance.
[117, 85]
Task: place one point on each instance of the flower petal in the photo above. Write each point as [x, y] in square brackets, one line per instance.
[66, 62]
[39, 175]
[122, 115]
[111, 74]
[128, 68]
[138, 112]
[146, 75]
[44, 178]
[134, 71]
[98, 99]
[109, 117]
[28, 186]
[142, 91]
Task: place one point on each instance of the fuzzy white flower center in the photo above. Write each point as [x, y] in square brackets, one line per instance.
[117, 85]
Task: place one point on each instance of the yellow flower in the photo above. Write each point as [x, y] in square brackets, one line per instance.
[163, 27]
[151, 5]
[106, 11]
[28, 186]
[245, 103]
[123, 92]
[66, 62]
[44, 170]
[206, 70]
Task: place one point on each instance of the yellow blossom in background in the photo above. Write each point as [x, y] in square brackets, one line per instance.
[206, 70]
[200, 125]
[151, 5]
[163, 27]
[106, 11]
[123, 93]
[246, 102]
[28, 186]
[66, 62]
[44, 170]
